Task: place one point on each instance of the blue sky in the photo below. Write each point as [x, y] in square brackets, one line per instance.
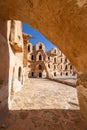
[37, 36]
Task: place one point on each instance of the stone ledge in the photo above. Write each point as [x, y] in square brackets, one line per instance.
[16, 47]
[64, 82]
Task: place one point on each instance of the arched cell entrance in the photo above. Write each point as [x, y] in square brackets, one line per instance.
[40, 75]
[61, 23]
[19, 74]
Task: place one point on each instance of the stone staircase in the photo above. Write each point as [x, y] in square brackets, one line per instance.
[47, 70]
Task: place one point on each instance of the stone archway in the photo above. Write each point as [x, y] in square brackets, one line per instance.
[64, 23]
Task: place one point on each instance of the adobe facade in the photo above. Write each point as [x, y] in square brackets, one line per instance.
[51, 64]
[12, 59]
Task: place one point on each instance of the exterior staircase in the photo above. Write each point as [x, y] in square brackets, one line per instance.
[47, 70]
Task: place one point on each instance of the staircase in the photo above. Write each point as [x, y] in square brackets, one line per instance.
[47, 70]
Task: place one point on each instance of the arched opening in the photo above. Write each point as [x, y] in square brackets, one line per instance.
[48, 58]
[66, 67]
[61, 60]
[32, 57]
[74, 73]
[54, 66]
[49, 65]
[65, 59]
[55, 74]
[66, 73]
[40, 57]
[71, 43]
[28, 48]
[19, 74]
[32, 74]
[40, 75]
[70, 66]
[40, 47]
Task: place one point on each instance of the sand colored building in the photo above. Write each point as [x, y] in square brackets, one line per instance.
[36, 60]
[59, 65]
[13, 58]
[51, 64]
[23, 61]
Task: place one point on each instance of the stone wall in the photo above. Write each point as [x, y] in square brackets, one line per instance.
[15, 42]
[53, 62]
[4, 65]
[36, 58]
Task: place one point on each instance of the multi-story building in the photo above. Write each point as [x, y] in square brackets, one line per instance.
[20, 60]
[36, 58]
[51, 64]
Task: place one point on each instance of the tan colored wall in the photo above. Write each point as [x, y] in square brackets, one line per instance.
[48, 63]
[15, 57]
[33, 64]
[4, 65]
[59, 65]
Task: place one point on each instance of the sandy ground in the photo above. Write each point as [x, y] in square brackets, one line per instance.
[44, 105]
[45, 94]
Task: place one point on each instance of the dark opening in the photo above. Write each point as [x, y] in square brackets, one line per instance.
[61, 73]
[32, 57]
[61, 60]
[66, 67]
[28, 48]
[54, 66]
[74, 73]
[49, 65]
[40, 75]
[40, 47]
[65, 59]
[19, 74]
[66, 74]
[54, 73]
[70, 66]
[40, 57]
[32, 74]
[48, 58]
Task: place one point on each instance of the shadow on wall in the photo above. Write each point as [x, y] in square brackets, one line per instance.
[4, 68]
[46, 119]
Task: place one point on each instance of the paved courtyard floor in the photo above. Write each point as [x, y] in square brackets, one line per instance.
[45, 94]
[44, 105]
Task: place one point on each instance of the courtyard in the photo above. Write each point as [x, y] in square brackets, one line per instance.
[44, 105]
[45, 94]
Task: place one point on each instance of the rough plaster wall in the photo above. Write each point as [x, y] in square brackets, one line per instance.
[15, 59]
[16, 32]
[4, 67]
[62, 22]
